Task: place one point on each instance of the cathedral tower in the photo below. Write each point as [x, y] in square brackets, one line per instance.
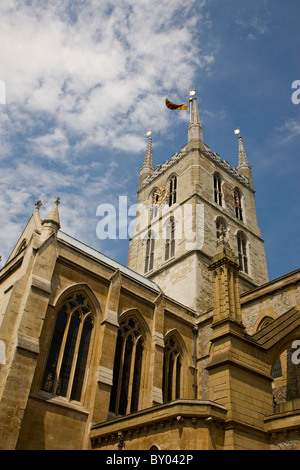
[183, 207]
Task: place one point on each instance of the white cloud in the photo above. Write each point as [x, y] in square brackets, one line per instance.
[289, 130]
[82, 63]
[81, 74]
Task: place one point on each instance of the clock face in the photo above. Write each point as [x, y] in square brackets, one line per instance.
[160, 195]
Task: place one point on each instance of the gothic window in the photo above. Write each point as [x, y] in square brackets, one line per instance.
[125, 391]
[170, 239]
[65, 370]
[220, 227]
[242, 252]
[150, 245]
[171, 371]
[264, 322]
[217, 189]
[154, 204]
[238, 204]
[286, 380]
[172, 190]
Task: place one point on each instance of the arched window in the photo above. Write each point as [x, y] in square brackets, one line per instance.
[171, 371]
[221, 227]
[264, 322]
[125, 391]
[286, 379]
[217, 189]
[170, 238]
[65, 370]
[150, 245]
[242, 252]
[238, 204]
[172, 190]
[154, 203]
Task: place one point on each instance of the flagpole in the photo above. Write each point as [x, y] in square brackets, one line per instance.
[192, 93]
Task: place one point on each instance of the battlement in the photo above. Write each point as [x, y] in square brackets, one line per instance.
[224, 165]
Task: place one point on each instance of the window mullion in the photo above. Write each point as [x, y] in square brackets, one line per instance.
[118, 395]
[74, 360]
[61, 353]
[131, 377]
[174, 376]
[166, 384]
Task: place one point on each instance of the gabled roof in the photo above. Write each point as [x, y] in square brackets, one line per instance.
[278, 329]
[61, 236]
[33, 224]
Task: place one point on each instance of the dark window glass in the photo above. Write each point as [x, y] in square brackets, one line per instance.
[66, 364]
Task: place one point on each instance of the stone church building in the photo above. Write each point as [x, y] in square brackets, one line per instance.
[189, 347]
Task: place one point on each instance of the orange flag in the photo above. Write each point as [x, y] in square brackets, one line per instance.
[171, 105]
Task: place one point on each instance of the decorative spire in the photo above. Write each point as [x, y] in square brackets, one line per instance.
[242, 154]
[148, 161]
[147, 168]
[195, 118]
[52, 219]
[243, 167]
[195, 129]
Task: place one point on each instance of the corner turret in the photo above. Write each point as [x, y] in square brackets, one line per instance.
[243, 167]
[195, 129]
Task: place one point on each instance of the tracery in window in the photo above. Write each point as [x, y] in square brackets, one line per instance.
[127, 370]
[170, 238]
[150, 246]
[172, 190]
[238, 204]
[65, 370]
[171, 371]
[217, 189]
[242, 252]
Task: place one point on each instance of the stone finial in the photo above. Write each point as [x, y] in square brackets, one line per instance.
[38, 204]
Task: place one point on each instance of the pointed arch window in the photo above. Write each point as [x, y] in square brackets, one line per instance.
[150, 246]
[242, 252]
[154, 204]
[170, 238]
[65, 371]
[124, 398]
[238, 204]
[171, 371]
[217, 189]
[172, 190]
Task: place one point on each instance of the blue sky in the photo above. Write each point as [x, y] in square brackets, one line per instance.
[86, 80]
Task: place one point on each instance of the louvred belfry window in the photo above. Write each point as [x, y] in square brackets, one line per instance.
[66, 367]
[217, 190]
[125, 391]
[172, 190]
[238, 204]
[242, 252]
